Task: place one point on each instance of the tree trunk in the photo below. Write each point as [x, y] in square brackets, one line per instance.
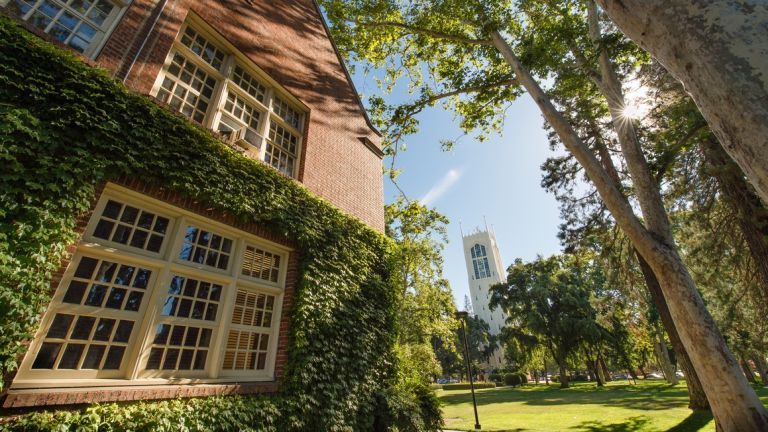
[718, 49]
[660, 346]
[697, 399]
[747, 370]
[752, 216]
[604, 369]
[762, 367]
[733, 401]
[632, 373]
[593, 368]
[563, 374]
[642, 371]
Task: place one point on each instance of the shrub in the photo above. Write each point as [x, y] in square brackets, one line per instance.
[495, 377]
[523, 378]
[410, 408]
[202, 414]
[512, 379]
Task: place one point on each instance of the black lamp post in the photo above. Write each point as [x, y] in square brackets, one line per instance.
[462, 316]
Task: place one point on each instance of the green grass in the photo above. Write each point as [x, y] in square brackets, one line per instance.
[648, 406]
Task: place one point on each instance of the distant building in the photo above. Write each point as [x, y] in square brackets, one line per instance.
[485, 269]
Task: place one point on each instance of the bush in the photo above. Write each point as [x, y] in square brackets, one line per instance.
[436, 386]
[512, 379]
[580, 378]
[495, 377]
[515, 378]
[411, 408]
[466, 386]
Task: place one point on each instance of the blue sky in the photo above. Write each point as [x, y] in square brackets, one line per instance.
[498, 178]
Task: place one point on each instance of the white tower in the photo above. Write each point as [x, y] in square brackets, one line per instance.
[485, 269]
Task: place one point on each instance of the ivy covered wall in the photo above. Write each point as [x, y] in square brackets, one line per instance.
[65, 127]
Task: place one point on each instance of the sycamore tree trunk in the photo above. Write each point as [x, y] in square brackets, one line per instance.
[718, 49]
[734, 402]
[697, 399]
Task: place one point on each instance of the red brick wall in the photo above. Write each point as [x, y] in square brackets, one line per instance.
[288, 40]
[26, 398]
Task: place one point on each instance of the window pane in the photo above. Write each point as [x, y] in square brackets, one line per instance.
[248, 83]
[260, 264]
[199, 249]
[129, 225]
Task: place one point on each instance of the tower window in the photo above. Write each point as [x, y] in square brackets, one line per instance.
[480, 261]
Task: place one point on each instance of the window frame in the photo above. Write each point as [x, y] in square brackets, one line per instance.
[225, 83]
[94, 48]
[164, 267]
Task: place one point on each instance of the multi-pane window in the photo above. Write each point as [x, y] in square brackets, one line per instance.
[95, 317]
[205, 247]
[81, 24]
[128, 225]
[281, 149]
[187, 88]
[216, 88]
[102, 283]
[201, 304]
[480, 261]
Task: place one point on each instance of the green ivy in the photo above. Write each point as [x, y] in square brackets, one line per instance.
[65, 127]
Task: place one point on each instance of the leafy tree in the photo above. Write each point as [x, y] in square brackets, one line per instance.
[481, 343]
[426, 313]
[549, 300]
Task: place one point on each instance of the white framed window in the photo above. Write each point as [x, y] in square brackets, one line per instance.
[82, 24]
[201, 301]
[480, 261]
[213, 84]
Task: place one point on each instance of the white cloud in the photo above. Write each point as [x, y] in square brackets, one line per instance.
[441, 187]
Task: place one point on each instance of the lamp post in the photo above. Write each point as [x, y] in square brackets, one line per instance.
[462, 316]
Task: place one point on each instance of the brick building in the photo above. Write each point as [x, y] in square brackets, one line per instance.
[163, 297]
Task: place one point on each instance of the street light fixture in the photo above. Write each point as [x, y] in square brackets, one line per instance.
[462, 316]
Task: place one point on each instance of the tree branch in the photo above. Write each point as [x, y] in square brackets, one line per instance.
[426, 32]
[416, 107]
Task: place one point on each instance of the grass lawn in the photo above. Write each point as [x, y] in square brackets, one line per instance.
[648, 406]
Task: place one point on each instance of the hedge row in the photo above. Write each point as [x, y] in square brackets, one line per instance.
[466, 386]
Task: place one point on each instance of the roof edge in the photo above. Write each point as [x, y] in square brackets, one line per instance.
[344, 68]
